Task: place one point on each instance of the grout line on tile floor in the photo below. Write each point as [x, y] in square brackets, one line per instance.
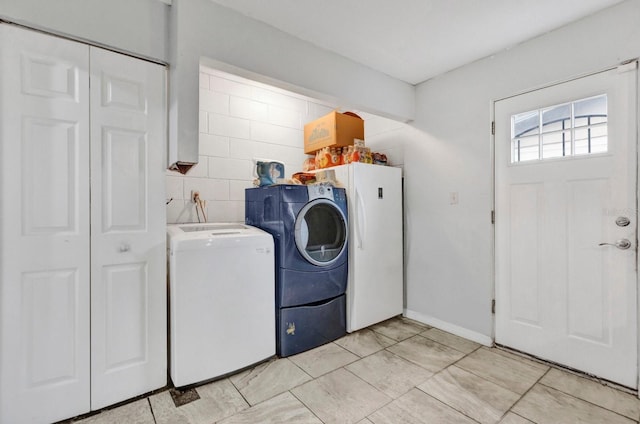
[510, 411]
[447, 405]
[386, 404]
[153, 415]
[464, 369]
[525, 393]
[300, 368]
[369, 384]
[580, 399]
[570, 370]
[305, 405]
[451, 347]
[472, 373]
[586, 401]
[245, 399]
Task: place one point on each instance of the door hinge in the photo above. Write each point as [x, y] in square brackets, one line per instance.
[493, 217]
[493, 127]
[493, 306]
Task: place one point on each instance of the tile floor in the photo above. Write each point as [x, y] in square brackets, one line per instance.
[398, 371]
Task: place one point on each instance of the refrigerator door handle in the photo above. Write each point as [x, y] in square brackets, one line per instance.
[361, 220]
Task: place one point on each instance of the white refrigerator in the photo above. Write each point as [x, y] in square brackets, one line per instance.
[375, 286]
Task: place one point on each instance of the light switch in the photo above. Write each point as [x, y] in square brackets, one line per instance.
[453, 198]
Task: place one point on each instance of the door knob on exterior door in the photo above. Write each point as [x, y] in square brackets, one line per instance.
[622, 221]
[622, 244]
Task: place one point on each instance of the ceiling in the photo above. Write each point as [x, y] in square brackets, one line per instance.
[415, 40]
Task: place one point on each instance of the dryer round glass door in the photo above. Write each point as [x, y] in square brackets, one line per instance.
[321, 232]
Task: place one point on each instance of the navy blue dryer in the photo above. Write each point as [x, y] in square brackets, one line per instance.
[309, 227]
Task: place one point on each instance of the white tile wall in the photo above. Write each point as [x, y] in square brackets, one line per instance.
[229, 126]
[276, 134]
[203, 122]
[210, 101]
[214, 145]
[228, 86]
[241, 120]
[248, 109]
[278, 98]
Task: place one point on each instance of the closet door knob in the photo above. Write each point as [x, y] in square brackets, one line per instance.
[124, 247]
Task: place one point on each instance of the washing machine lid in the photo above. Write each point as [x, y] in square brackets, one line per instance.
[216, 228]
[321, 232]
[214, 235]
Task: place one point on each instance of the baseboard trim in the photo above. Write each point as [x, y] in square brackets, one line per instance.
[449, 328]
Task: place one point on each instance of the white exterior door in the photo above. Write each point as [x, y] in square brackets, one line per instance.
[128, 227]
[44, 227]
[565, 179]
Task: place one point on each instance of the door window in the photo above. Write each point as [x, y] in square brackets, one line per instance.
[569, 129]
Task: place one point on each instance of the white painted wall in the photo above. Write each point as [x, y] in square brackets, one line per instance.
[241, 119]
[140, 27]
[449, 247]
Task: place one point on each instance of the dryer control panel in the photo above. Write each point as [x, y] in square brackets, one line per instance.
[320, 191]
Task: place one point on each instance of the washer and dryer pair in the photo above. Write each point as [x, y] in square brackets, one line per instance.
[309, 227]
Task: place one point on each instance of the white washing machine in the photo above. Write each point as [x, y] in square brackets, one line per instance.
[221, 299]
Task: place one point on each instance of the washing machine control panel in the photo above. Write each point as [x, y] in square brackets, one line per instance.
[320, 191]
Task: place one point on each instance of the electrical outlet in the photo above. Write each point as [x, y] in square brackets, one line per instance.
[195, 195]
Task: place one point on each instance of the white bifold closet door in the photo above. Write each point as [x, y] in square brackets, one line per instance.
[44, 228]
[82, 227]
[128, 228]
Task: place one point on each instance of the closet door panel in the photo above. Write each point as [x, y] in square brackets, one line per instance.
[125, 291]
[44, 227]
[128, 298]
[49, 175]
[124, 156]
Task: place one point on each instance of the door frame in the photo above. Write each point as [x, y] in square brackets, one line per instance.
[637, 191]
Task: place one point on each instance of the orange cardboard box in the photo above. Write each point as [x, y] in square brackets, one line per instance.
[332, 130]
